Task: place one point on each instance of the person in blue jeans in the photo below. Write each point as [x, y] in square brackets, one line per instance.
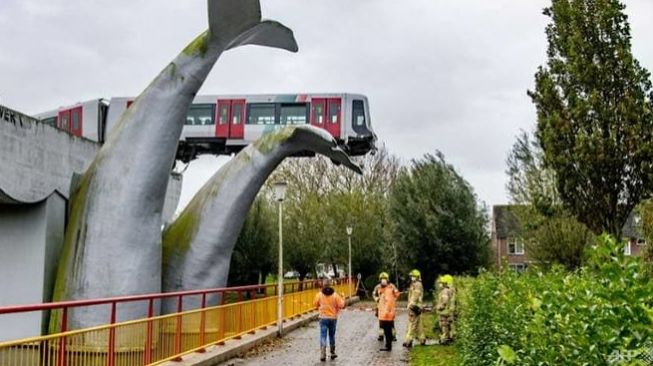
[328, 303]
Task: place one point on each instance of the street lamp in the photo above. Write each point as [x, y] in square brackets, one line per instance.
[350, 230]
[279, 189]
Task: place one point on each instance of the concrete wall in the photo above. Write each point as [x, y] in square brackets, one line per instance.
[31, 237]
[37, 159]
[37, 163]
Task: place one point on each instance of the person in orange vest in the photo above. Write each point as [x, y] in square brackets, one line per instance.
[328, 303]
[387, 305]
[384, 280]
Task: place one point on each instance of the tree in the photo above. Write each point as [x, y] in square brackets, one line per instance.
[594, 113]
[254, 255]
[645, 215]
[529, 181]
[304, 232]
[439, 225]
[323, 199]
[550, 233]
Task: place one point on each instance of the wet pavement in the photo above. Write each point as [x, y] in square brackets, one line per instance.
[356, 343]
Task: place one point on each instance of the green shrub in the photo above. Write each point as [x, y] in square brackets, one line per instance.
[558, 317]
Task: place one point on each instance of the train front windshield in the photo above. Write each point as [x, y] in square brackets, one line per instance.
[358, 113]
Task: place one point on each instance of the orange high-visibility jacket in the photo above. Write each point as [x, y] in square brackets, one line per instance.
[329, 305]
[388, 302]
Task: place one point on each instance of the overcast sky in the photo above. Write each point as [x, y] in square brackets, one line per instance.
[448, 75]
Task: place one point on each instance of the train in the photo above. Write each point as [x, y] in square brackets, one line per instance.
[224, 124]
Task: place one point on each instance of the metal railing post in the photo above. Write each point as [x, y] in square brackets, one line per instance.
[203, 323]
[223, 316]
[112, 337]
[178, 330]
[147, 358]
[61, 360]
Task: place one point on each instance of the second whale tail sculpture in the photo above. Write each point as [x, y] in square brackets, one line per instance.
[113, 239]
[197, 246]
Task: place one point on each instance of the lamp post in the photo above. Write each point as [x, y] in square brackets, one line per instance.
[350, 230]
[279, 194]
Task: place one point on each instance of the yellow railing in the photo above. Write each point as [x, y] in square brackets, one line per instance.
[169, 336]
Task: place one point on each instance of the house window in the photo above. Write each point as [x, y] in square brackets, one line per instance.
[627, 248]
[518, 267]
[641, 242]
[515, 246]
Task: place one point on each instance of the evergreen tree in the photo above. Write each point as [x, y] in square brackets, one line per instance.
[439, 225]
[594, 108]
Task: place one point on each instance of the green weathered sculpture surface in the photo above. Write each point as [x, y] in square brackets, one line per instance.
[112, 245]
[197, 246]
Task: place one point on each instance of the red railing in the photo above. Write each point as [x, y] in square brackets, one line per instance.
[226, 295]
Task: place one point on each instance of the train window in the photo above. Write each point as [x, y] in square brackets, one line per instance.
[261, 114]
[200, 115]
[358, 113]
[52, 121]
[224, 114]
[334, 111]
[64, 121]
[75, 118]
[294, 114]
[318, 112]
[237, 113]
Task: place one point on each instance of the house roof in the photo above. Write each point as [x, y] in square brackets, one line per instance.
[505, 221]
[507, 224]
[632, 228]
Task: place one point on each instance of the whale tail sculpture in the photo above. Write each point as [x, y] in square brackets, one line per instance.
[197, 247]
[238, 22]
[112, 244]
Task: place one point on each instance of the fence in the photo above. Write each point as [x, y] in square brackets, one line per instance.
[157, 339]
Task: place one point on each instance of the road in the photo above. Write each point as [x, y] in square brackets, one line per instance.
[356, 344]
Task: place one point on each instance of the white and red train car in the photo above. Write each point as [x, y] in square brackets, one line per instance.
[224, 124]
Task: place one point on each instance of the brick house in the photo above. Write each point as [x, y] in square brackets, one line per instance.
[632, 231]
[508, 247]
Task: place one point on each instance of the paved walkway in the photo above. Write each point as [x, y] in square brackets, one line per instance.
[356, 344]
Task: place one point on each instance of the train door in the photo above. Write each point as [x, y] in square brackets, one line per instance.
[76, 120]
[333, 114]
[237, 121]
[63, 122]
[230, 122]
[70, 120]
[318, 112]
[223, 118]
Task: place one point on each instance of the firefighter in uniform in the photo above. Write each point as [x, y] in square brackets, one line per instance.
[384, 281]
[415, 306]
[445, 308]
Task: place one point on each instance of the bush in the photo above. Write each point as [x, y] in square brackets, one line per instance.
[557, 317]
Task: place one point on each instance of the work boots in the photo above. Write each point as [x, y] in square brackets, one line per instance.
[333, 353]
[322, 354]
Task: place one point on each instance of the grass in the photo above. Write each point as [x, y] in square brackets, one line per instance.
[433, 355]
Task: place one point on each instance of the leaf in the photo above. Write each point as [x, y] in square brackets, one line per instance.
[534, 303]
[507, 354]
